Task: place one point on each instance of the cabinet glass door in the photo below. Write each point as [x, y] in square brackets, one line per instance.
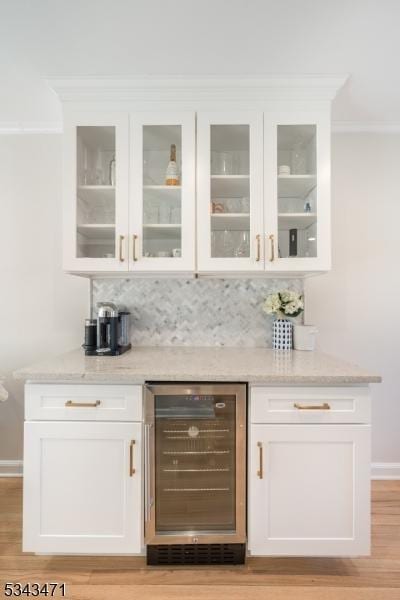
[299, 170]
[162, 180]
[230, 192]
[96, 234]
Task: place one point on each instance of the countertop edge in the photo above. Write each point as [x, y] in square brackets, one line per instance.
[141, 378]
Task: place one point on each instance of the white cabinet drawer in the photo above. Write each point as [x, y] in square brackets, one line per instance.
[310, 405]
[75, 402]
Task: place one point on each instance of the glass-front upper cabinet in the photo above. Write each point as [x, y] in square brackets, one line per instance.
[96, 192]
[230, 191]
[297, 193]
[162, 196]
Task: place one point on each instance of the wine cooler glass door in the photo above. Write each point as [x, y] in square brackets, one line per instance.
[197, 485]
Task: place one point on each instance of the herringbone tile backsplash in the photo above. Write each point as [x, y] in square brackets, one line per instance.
[195, 312]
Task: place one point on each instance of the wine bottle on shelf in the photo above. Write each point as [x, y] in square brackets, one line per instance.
[172, 174]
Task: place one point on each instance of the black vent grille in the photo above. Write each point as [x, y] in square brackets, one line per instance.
[196, 554]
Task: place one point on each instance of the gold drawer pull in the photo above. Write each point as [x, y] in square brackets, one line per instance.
[258, 240]
[324, 406]
[72, 404]
[121, 239]
[272, 245]
[260, 472]
[132, 470]
[134, 238]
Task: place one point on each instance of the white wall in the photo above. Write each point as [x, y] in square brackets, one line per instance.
[357, 305]
[354, 306]
[41, 309]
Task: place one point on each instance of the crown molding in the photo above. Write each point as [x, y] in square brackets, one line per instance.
[246, 88]
[365, 127]
[28, 127]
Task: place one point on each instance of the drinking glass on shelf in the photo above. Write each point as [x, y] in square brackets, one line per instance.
[243, 249]
[299, 158]
[221, 163]
[165, 213]
[232, 204]
[176, 215]
[151, 213]
[245, 205]
[228, 243]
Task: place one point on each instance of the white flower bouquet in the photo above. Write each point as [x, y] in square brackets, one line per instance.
[284, 304]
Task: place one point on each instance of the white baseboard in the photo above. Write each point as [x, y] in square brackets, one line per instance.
[385, 470]
[10, 468]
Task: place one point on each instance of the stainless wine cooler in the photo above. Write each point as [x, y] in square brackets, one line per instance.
[195, 473]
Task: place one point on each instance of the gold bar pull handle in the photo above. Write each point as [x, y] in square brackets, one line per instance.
[121, 239]
[260, 472]
[258, 240]
[272, 248]
[324, 406]
[134, 238]
[132, 470]
[72, 404]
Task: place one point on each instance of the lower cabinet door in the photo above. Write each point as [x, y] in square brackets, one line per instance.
[82, 488]
[309, 490]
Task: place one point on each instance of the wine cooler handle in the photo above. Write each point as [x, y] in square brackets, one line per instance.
[147, 471]
[260, 472]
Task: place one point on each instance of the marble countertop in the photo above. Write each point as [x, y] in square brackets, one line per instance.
[186, 363]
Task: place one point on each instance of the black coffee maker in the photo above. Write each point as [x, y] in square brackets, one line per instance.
[108, 335]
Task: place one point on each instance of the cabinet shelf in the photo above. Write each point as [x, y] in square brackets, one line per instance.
[96, 192]
[296, 186]
[230, 221]
[162, 187]
[230, 186]
[162, 230]
[98, 232]
[296, 220]
[162, 192]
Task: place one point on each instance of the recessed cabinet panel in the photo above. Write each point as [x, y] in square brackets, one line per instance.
[309, 490]
[162, 192]
[83, 488]
[229, 199]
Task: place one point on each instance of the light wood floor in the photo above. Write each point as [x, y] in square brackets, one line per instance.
[105, 578]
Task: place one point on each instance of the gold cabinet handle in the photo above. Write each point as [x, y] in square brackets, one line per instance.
[72, 404]
[132, 470]
[121, 239]
[260, 472]
[324, 406]
[272, 245]
[134, 238]
[258, 256]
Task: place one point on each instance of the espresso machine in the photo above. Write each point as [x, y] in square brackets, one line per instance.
[108, 335]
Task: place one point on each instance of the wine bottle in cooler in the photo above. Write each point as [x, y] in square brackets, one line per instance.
[172, 174]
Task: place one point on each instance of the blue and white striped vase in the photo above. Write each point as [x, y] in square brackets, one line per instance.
[282, 338]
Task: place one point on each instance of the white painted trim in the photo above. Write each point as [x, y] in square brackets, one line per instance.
[11, 468]
[216, 87]
[365, 127]
[29, 127]
[385, 470]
